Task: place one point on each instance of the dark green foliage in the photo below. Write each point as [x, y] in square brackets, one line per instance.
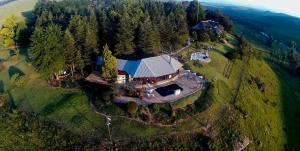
[147, 42]
[47, 49]
[125, 36]
[72, 55]
[23, 34]
[223, 20]
[124, 25]
[195, 13]
[38, 134]
[109, 71]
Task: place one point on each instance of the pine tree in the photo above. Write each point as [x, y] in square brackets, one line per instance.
[47, 49]
[125, 36]
[72, 55]
[109, 69]
[195, 13]
[91, 40]
[146, 37]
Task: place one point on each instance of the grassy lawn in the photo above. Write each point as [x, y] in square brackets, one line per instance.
[20, 8]
[68, 107]
[221, 92]
[63, 106]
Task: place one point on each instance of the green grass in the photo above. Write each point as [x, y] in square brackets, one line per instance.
[57, 104]
[289, 86]
[20, 8]
[268, 118]
[260, 118]
[221, 92]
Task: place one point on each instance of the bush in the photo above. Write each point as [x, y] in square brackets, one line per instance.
[232, 55]
[132, 107]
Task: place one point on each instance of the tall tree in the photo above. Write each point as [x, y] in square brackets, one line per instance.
[47, 49]
[72, 55]
[146, 37]
[125, 36]
[109, 69]
[195, 13]
[91, 40]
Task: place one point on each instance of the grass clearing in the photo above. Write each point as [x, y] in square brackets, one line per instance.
[20, 8]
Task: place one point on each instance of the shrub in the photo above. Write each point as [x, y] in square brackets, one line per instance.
[132, 107]
[232, 55]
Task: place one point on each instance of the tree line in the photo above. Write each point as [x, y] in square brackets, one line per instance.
[70, 34]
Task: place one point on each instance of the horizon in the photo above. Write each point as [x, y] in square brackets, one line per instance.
[288, 7]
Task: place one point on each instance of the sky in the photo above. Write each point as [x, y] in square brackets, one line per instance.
[291, 7]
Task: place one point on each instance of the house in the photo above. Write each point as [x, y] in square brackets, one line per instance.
[148, 70]
[209, 25]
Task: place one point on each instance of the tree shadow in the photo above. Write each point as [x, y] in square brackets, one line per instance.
[12, 53]
[11, 101]
[77, 119]
[29, 17]
[14, 70]
[1, 87]
[290, 87]
[24, 52]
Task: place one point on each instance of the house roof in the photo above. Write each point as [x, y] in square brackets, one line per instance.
[206, 25]
[149, 67]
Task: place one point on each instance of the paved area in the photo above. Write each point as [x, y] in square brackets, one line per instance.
[188, 81]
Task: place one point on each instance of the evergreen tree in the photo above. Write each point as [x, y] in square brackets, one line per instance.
[72, 55]
[195, 13]
[125, 36]
[146, 37]
[91, 41]
[109, 69]
[47, 49]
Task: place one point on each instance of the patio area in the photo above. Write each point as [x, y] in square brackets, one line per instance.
[189, 83]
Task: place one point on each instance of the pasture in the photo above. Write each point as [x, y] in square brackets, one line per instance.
[21, 8]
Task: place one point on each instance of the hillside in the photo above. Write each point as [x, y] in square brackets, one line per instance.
[252, 22]
[250, 99]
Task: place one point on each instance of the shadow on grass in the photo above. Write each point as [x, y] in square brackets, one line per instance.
[1, 87]
[52, 107]
[29, 17]
[66, 101]
[24, 52]
[14, 70]
[11, 101]
[290, 87]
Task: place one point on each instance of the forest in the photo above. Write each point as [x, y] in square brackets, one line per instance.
[69, 35]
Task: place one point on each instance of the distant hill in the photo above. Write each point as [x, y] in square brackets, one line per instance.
[280, 26]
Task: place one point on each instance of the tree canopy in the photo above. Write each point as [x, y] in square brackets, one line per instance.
[109, 69]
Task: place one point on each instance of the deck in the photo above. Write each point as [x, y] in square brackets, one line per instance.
[190, 84]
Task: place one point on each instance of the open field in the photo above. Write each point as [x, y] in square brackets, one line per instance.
[20, 8]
